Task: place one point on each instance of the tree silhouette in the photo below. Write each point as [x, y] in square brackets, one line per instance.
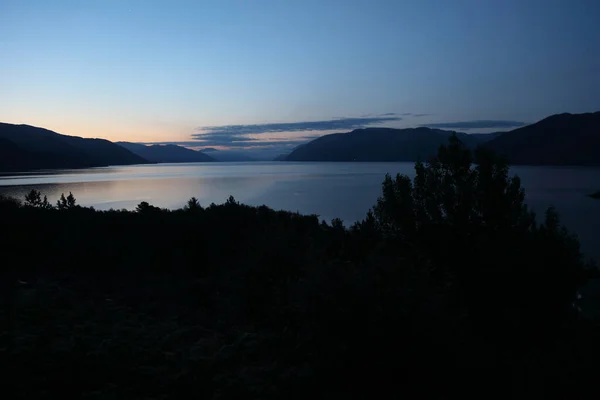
[145, 208]
[71, 200]
[231, 201]
[66, 203]
[465, 214]
[193, 205]
[337, 224]
[46, 204]
[33, 198]
[61, 203]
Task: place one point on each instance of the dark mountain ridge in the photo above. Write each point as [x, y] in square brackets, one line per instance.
[167, 153]
[26, 147]
[13, 158]
[561, 139]
[227, 155]
[377, 144]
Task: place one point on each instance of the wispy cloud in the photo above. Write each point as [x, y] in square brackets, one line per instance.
[246, 143]
[243, 145]
[302, 126]
[283, 135]
[478, 124]
[412, 115]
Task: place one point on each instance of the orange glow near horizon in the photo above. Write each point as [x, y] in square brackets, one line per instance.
[119, 130]
[114, 132]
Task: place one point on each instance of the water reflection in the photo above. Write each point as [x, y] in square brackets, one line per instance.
[168, 192]
[344, 190]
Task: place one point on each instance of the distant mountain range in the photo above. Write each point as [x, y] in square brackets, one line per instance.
[281, 157]
[25, 147]
[227, 155]
[562, 139]
[167, 153]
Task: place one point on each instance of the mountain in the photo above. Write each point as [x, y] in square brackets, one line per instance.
[227, 155]
[168, 153]
[561, 139]
[484, 137]
[377, 144]
[13, 158]
[281, 157]
[25, 147]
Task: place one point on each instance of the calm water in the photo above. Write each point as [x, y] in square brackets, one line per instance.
[344, 190]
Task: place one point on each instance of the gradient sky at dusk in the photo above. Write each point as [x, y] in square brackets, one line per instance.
[161, 71]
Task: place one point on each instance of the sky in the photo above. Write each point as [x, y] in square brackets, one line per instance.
[259, 74]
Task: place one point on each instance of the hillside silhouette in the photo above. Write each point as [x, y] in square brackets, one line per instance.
[227, 155]
[168, 153]
[378, 144]
[449, 280]
[38, 148]
[14, 158]
[561, 139]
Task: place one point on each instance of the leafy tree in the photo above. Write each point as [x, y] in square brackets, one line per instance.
[337, 224]
[231, 201]
[71, 200]
[465, 215]
[66, 203]
[145, 208]
[61, 203]
[193, 205]
[46, 204]
[33, 199]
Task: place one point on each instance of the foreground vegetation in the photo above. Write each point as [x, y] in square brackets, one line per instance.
[448, 284]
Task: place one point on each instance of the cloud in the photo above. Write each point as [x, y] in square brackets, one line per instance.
[250, 144]
[266, 135]
[413, 115]
[303, 126]
[283, 137]
[478, 124]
